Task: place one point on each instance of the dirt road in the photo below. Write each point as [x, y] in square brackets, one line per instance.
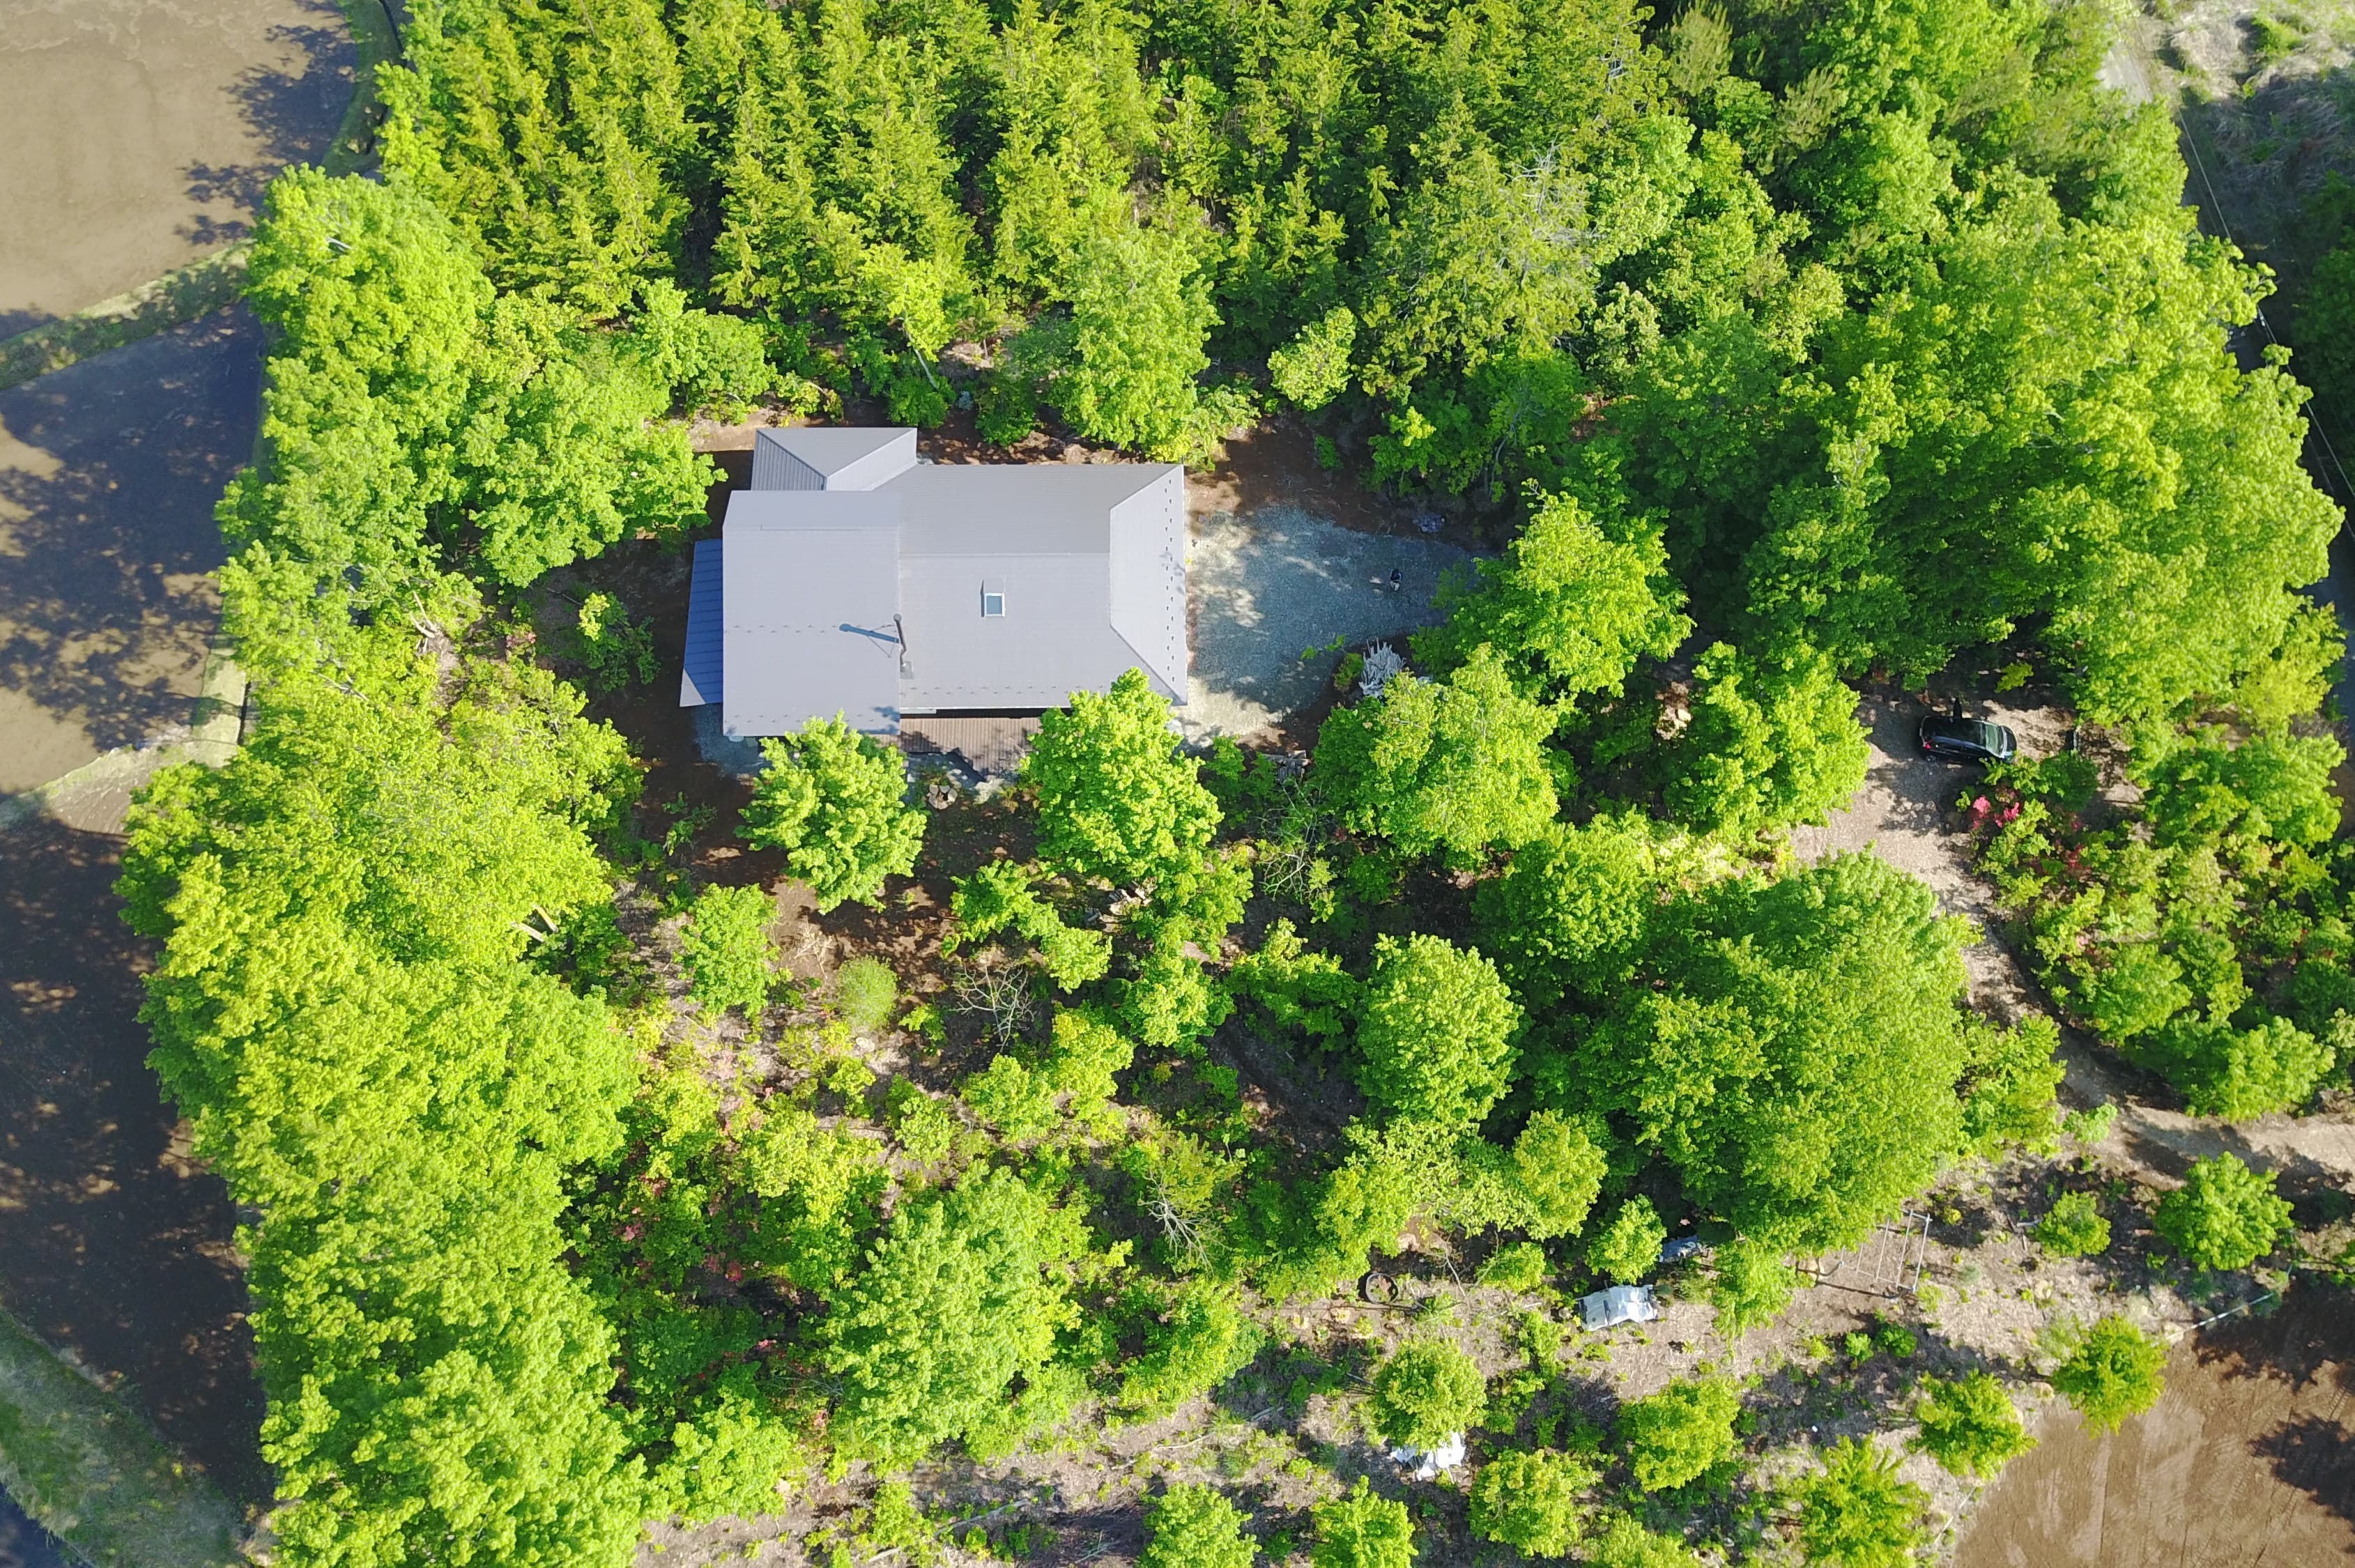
[141, 132]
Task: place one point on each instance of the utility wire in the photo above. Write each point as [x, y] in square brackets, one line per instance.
[2216, 206]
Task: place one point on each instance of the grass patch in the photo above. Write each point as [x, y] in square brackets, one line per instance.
[93, 1474]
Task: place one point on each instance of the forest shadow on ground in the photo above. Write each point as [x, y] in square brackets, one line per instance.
[109, 472]
[119, 1246]
[293, 110]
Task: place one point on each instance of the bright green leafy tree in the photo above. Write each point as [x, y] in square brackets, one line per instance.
[725, 947]
[1361, 1531]
[1570, 606]
[1116, 798]
[2113, 1371]
[2224, 1216]
[834, 801]
[1455, 765]
[1969, 1424]
[1435, 1038]
[1677, 1436]
[1194, 1527]
[1427, 1392]
[956, 1305]
[1856, 1513]
[1627, 1247]
[2074, 1227]
[1534, 1501]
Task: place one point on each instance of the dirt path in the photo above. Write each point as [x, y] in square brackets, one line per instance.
[1905, 814]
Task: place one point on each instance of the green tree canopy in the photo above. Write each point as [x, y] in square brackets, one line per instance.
[1361, 1531]
[2113, 1372]
[1627, 1247]
[1116, 798]
[1435, 1038]
[1770, 742]
[1454, 765]
[2224, 1216]
[1534, 1501]
[725, 947]
[1194, 1527]
[1790, 1047]
[1570, 913]
[834, 801]
[956, 1306]
[1570, 606]
[1427, 1392]
[2074, 1227]
[1969, 1424]
[1680, 1434]
[1856, 1513]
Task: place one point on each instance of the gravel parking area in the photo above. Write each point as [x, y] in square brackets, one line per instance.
[1268, 584]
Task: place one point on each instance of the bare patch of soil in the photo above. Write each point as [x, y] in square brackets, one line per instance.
[2247, 1462]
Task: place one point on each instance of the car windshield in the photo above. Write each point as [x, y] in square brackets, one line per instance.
[1977, 731]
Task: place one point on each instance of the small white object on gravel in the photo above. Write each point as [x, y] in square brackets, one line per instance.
[1274, 581]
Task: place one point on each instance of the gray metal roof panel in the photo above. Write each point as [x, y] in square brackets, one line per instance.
[845, 457]
[810, 593]
[1014, 509]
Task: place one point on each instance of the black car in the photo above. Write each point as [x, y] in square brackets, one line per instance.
[1960, 740]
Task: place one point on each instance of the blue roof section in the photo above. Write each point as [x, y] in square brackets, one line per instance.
[700, 682]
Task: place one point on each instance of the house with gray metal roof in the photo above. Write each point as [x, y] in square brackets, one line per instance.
[853, 578]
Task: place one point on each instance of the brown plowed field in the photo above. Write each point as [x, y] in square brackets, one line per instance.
[2247, 1462]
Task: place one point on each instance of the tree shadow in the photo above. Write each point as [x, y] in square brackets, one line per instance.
[119, 1246]
[109, 472]
[293, 108]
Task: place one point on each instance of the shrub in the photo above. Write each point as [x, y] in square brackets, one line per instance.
[1626, 1248]
[1361, 1531]
[2074, 1227]
[1675, 1436]
[1856, 1513]
[2224, 1216]
[865, 992]
[1427, 1393]
[1623, 1543]
[616, 649]
[1532, 1500]
[1194, 1527]
[726, 949]
[1897, 1341]
[1969, 1425]
[1752, 1286]
[1518, 1266]
[2114, 1372]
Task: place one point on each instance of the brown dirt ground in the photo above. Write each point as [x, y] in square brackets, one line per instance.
[109, 471]
[141, 132]
[2248, 1462]
[117, 1246]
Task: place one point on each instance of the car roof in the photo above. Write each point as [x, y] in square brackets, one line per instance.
[1953, 724]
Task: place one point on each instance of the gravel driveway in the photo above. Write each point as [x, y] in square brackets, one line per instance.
[1268, 584]
[1903, 814]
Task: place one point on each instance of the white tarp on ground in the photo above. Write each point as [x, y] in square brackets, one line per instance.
[1620, 1304]
[1425, 1464]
